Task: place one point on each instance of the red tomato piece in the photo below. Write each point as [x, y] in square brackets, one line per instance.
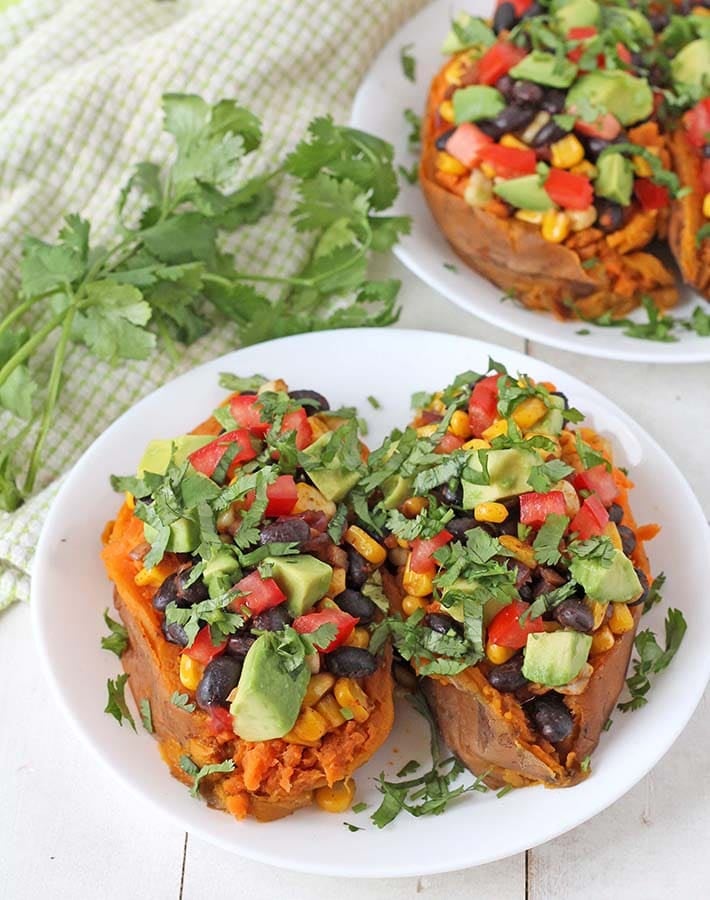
[535, 508]
[569, 190]
[497, 61]
[582, 33]
[281, 496]
[449, 443]
[697, 123]
[298, 421]
[220, 720]
[505, 629]
[207, 458]
[483, 405]
[597, 480]
[606, 126]
[520, 6]
[261, 593]
[423, 552]
[651, 195]
[202, 649]
[591, 520]
[343, 622]
[623, 53]
[246, 412]
[466, 142]
[509, 162]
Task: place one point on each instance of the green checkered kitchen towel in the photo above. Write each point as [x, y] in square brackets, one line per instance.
[80, 89]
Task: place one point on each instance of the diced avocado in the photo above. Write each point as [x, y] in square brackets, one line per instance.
[617, 583]
[467, 31]
[508, 472]
[555, 657]
[525, 193]
[615, 178]
[545, 68]
[184, 535]
[479, 101]
[395, 490]
[491, 607]
[333, 481]
[222, 563]
[304, 579]
[553, 421]
[626, 97]
[690, 69]
[576, 14]
[156, 457]
[269, 696]
[631, 22]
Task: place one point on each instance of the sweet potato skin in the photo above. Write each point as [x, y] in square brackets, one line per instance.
[687, 216]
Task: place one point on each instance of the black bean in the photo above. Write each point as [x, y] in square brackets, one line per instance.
[553, 101]
[350, 662]
[174, 633]
[515, 118]
[574, 614]
[645, 588]
[547, 579]
[628, 539]
[356, 604]
[488, 126]
[441, 623]
[616, 513]
[535, 9]
[548, 134]
[273, 619]
[359, 569]
[551, 717]
[312, 400]
[460, 525]
[173, 589]
[219, 679]
[239, 644]
[526, 592]
[443, 138]
[658, 21]
[286, 531]
[610, 216]
[508, 676]
[450, 496]
[504, 18]
[527, 93]
[505, 85]
[404, 676]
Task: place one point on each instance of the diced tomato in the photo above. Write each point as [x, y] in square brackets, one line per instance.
[449, 443]
[207, 458]
[623, 53]
[246, 412]
[597, 480]
[298, 421]
[607, 126]
[505, 629]
[220, 720]
[261, 593]
[591, 520]
[466, 142]
[569, 190]
[509, 162]
[520, 6]
[497, 61]
[343, 622]
[483, 405]
[651, 195]
[535, 508]
[581, 33]
[697, 123]
[202, 649]
[423, 552]
[281, 496]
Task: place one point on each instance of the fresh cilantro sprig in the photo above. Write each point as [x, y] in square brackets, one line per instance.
[182, 701]
[197, 774]
[652, 658]
[146, 715]
[547, 541]
[408, 62]
[116, 705]
[117, 641]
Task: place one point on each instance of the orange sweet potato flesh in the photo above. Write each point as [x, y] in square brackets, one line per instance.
[687, 216]
[489, 731]
[540, 274]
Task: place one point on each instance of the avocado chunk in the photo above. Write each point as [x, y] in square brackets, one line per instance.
[184, 535]
[690, 69]
[491, 607]
[508, 472]
[615, 178]
[525, 193]
[630, 22]
[617, 583]
[479, 101]
[156, 457]
[395, 490]
[467, 31]
[333, 481]
[576, 14]
[269, 696]
[626, 97]
[555, 658]
[304, 579]
[545, 68]
[553, 421]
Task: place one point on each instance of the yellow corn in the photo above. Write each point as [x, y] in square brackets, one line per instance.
[351, 696]
[130, 500]
[190, 672]
[542, 118]
[524, 553]
[318, 687]
[706, 205]
[476, 444]
[641, 167]
[497, 654]
[555, 226]
[531, 216]
[510, 140]
[566, 152]
[359, 637]
[309, 497]
[527, 413]
[459, 424]
[449, 164]
[329, 708]
[598, 611]
[446, 111]
[496, 429]
[621, 619]
[455, 69]
[418, 584]
[277, 385]
[366, 546]
[602, 640]
[155, 576]
[490, 512]
[412, 506]
[582, 218]
[585, 168]
[426, 430]
[488, 170]
[337, 582]
[337, 798]
[612, 532]
[437, 405]
[326, 603]
[309, 728]
[411, 604]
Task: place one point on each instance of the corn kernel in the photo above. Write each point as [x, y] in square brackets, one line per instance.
[530, 411]
[531, 216]
[582, 218]
[412, 506]
[476, 444]
[449, 164]
[488, 170]
[318, 687]
[335, 799]
[359, 637]
[598, 612]
[460, 425]
[524, 553]
[612, 532]
[542, 118]
[555, 226]
[156, 576]
[621, 619]
[326, 603]
[490, 512]
[510, 140]
[496, 429]
[566, 152]
[706, 205]
[309, 728]
[478, 191]
[309, 497]
[277, 385]
[366, 546]
[585, 168]
[190, 672]
[454, 71]
[641, 167]
[329, 708]
[602, 640]
[418, 584]
[497, 654]
[351, 696]
[446, 111]
[410, 604]
[337, 582]
[130, 500]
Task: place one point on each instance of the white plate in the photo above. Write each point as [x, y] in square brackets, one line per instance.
[70, 591]
[383, 96]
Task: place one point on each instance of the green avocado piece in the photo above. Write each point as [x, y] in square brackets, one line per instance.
[545, 68]
[630, 22]
[479, 101]
[508, 472]
[491, 607]
[269, 696]
[556, 657]
[467, 31]
[617, 583]
[690, 69]
[524, 193]
[333, 481]
[553, 421]
[615, 178]
[395, 490]
[576, 14]
[304, 579]
[156, 457]
[626, 97]
[184, 535]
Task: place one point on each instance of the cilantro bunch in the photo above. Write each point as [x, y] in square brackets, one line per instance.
[165, 277]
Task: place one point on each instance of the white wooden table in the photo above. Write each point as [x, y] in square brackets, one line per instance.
[68, 831]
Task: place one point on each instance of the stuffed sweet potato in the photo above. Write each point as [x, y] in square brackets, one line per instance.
[246, 644]
[520, 575]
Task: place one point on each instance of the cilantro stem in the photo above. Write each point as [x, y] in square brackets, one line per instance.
[267, 279]
[21, 309]
[29, 347]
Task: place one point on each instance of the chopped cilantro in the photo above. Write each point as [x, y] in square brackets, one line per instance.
[542, 477]
[182, 701]
[408, 62]
[239, 384]
[585, 763]
[146, 715]
[451, 267]
[374, 402]
[599, 548]
[353, 828]
[654, 592]
[116, 705]
[547, 541]
[117, 641]
[588, 456]
[652, 659]
[506, 789]
[197, 774]
[548, 601]
[359, 807]
[414, 121]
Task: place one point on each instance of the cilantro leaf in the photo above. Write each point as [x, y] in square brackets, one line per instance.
[542, 477]
[116, 705]
[197, 774]
[117, 641]
[146, 715]
[408, 62]
[652, 658]
[182, 701]
[547, 541]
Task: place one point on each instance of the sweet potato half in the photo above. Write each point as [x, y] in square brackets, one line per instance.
[687, 217]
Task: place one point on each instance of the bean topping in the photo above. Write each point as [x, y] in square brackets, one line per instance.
[312, 400]
[238, 644]
[645, 588]
[219, 679]
[551, 717]
[628, 539]
[350, 662]
[273, 619]
[553, 101]
[504, 18]
[610, 216]
[616, 513]
[356, 604]
[527, 93]
[173, 590]
[505, 85]
[515, 118]
[574, 614]
[359, 569]
[443, 138]
[548, 134]
[174, 632]
[459, 526]
[285, 530]
[509, 675]
[441, 623]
